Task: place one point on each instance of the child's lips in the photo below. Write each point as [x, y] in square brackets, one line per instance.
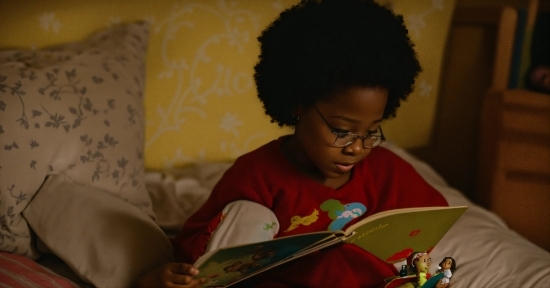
[344, 167]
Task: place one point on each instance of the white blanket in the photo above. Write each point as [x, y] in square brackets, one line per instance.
[488, 254]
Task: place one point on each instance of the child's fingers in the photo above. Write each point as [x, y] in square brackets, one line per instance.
[186, 281]
[183, 274]
[184, 268]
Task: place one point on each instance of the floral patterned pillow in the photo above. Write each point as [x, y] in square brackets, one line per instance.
[74, 109]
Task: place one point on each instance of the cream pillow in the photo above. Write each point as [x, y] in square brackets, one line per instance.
[104, 240]
[75, 109]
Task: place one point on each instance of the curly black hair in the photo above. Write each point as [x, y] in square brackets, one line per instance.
[319, 47]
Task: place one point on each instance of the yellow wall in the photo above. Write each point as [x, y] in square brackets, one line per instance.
[200, 95]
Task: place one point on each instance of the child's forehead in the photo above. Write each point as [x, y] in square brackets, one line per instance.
[355, 97]
[347, 92]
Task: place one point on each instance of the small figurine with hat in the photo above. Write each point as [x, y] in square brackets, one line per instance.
[421, 262]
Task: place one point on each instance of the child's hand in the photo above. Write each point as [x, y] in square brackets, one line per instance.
[171, 275]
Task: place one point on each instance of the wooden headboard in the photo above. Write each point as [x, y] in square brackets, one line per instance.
[478, 56]
[514, 162]
[491, 142]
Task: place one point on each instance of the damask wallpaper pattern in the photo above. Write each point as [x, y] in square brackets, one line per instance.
[200, 96]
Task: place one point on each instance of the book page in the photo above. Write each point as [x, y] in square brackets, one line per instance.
[394, 236]
[231, 264]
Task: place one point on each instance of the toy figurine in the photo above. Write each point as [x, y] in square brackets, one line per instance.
[421, 263]
[447, 267]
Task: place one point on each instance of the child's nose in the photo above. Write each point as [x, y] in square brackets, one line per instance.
[355, 148]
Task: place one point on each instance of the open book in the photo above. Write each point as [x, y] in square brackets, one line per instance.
[390, 235]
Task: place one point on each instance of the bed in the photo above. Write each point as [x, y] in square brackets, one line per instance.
[116, 121]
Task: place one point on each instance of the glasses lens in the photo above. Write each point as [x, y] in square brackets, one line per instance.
[372, 141]
[344, 140]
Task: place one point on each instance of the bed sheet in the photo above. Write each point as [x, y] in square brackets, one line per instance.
[487, 252]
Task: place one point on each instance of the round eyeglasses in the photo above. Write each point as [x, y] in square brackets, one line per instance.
[344, 139]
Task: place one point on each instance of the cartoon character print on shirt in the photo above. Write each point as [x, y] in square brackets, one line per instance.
[342, 214]
[305, 220]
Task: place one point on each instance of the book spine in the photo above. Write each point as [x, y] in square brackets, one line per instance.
[519, 36]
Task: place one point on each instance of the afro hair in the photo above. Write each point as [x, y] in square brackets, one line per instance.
[319, 47]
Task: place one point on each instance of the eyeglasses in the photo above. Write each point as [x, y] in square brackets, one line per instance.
[344, 139]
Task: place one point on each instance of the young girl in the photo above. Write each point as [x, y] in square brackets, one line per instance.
[334, 70]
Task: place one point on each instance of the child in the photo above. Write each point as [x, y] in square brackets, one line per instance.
[333, 70]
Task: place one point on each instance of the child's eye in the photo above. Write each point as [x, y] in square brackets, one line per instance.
[340, 132]
[372, 132]
[341, 135]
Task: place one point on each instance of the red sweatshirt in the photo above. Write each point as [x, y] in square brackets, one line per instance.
[382, 181]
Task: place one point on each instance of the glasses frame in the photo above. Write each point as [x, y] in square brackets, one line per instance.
[377, 139]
